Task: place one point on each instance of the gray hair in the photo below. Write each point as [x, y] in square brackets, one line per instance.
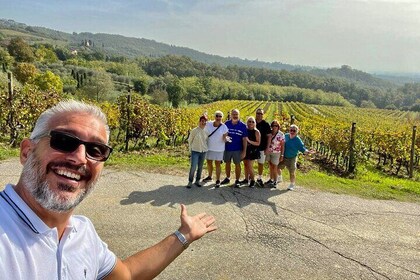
[218, 113]
[67, 106]
[295, 127]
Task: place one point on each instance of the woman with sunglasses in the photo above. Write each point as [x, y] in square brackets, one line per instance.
[252, 151]
[217, 137]
[275, 153]
[293, 146]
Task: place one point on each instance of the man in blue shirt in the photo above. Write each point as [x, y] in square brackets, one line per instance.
[235, 148]
[292, 147]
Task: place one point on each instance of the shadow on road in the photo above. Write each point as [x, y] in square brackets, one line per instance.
[172, 195]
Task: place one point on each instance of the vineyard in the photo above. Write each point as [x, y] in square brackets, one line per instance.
[386, 137]
[382, 135]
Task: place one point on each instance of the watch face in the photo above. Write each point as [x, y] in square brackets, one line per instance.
[182, 239]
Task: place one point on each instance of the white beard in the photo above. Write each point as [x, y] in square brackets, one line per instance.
[33, 179]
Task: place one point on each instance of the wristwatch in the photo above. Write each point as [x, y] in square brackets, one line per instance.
[182, 239]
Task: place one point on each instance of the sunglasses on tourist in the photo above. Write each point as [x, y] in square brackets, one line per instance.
[259, 113]
[218, 116]
[68, 143]
[292, 130]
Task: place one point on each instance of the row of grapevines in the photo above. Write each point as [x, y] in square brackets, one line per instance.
[383, 132]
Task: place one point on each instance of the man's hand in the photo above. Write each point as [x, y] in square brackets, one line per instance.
[309, 153]
[194, 227]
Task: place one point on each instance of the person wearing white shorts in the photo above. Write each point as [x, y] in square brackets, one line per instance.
[275, 153]
[217, 132]
[212, 155]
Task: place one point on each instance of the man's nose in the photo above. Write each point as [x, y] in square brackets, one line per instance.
[78, 156]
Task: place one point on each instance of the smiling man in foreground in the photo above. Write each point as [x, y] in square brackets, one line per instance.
[40, 238]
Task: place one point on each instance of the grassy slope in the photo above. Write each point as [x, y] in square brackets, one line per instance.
[368, 183]
[30, 37]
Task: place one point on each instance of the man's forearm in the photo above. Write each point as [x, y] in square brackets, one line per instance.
[148, 263]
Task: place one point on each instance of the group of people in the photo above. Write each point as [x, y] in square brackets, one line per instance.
[237, 141]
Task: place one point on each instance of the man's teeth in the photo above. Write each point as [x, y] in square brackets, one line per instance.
[68, 174]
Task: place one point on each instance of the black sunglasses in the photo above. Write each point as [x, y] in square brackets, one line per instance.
[218, 116]
[68, 143]
[293, 130]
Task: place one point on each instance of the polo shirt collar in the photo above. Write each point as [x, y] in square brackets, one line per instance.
[29, 217]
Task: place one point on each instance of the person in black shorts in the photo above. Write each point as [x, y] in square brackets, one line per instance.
[252, 151]
[265, 131]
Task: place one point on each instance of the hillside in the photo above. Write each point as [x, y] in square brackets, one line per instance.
[347, 73]
[125, 46]
[130, 47]
[158, 60]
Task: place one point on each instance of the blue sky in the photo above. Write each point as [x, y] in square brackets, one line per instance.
[370, 35]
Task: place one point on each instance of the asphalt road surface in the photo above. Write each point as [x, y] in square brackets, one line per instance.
[263, 233]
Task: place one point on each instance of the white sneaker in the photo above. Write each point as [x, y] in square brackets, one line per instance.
[291, 187]
[280, 179]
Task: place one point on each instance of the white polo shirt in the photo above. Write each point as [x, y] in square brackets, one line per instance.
[29, 249]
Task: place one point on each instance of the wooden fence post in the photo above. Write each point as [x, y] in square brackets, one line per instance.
[413, 141]
[10, 117]
[352, 161]
[127, 132]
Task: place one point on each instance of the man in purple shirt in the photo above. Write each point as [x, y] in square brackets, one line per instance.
[235, 146]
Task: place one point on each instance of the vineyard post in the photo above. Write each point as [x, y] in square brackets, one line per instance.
[352, 163]
[413, 140]
[127, 138]
[10, 116]
[292, 119]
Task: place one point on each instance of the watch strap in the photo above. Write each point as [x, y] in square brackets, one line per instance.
[182, 239]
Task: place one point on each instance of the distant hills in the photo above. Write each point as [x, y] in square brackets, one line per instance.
[127, 46]
[130, 47]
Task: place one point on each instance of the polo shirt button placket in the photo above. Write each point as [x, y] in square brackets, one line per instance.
[63, 273]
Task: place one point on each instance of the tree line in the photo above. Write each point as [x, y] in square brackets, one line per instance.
[179, 80]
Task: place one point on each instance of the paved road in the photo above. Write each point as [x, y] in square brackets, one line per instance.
[263, 234]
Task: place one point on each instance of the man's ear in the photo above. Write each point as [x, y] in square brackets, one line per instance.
[26, 147]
